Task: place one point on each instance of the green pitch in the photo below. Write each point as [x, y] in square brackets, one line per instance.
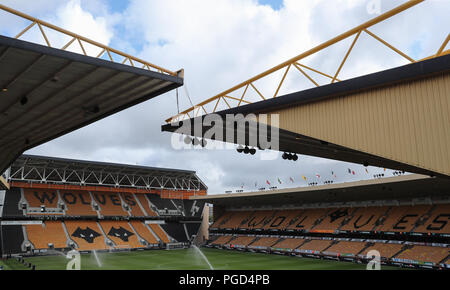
[187, 260]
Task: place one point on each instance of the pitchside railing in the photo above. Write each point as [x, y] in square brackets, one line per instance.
[106, 52]
[295, 63]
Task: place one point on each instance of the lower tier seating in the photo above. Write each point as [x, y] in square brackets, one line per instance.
[121, 234]
[50, 232]
[425, 254]
[87, 235]
[144, 232]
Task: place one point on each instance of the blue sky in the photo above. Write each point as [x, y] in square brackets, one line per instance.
[276, 4]
[118, 6]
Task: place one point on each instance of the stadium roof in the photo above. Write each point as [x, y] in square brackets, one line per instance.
[290, 141]
[46, 93]
[394, 188]
[40, 169]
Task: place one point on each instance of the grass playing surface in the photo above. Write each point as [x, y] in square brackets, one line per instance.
[187, 260]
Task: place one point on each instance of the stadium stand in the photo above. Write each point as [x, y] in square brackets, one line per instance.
[121, 234]
[220, 221]
[78, 203]
[403, 218]
[133, 205]
[176, 230]
[241, 241]
[386, 251]
[264, 242]
[328, 220]
[334, 220]
[438, 221]
[425, 254]
[14, 241]
[161, 203]
[258, 220]
[307, 219]
[289, 243]
[316, 245]
[39, 197]
[48, 233]
[12, 207]
[192, 229]
[142, 199]
[156, 228]
[347, 248]
[87, 235]
[281, 220]
[235, 220]
[222, 240]
[110, 204]
[144, 232]
[365, 219]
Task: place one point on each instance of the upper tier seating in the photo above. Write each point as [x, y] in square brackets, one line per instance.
[365, 219]
[78, 203]
[110, 203]
[50, 232]
[307, 219]
[281, 219]
[145, 204]
[87, 235]
[403, 218]
[420, 218]
[161, 203]
[258, 220]
[130, 200]
[236, 219]
[41, 197]
[334, 219]
[219, 221]
[438, 222]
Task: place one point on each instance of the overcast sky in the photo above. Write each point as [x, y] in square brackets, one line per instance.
[221, 43]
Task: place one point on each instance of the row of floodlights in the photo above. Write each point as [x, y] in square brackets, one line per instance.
[246, 150]
[195, 141]
[398, 173]
[290, 156]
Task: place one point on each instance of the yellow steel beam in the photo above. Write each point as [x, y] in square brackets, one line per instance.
[306, 75]
[444, 44]
[388, 45]
[79, 37]
[312, 51]
[346, 56]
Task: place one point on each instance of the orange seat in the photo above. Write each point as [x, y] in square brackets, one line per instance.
[50, 232]
[86, 234]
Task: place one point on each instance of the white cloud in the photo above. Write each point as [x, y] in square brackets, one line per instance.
[219, 44]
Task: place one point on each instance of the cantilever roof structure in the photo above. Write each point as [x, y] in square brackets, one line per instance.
[51, 170]
[47, 92]
[406, 187]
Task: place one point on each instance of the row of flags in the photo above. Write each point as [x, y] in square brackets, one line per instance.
[318, 176]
